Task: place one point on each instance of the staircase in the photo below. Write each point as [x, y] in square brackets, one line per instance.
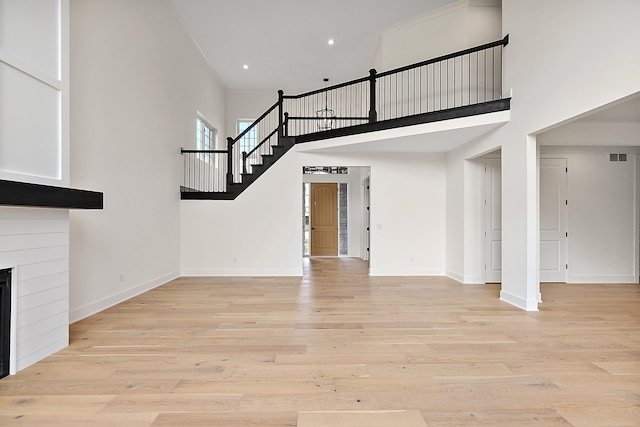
[234, 189]
[461, 84]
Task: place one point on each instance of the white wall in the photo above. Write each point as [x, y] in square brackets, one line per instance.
[34, 124]
[138, 82]
[259, 233]
[35, 244]
[243, 105]
[602, 216]
[452, 28]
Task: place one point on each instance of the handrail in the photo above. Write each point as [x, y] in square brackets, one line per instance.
[273, 132]
[183, 151]
[503, 42]
[328, 88]
[255, 122]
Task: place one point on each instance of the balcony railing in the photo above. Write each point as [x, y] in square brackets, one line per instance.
[423, 92]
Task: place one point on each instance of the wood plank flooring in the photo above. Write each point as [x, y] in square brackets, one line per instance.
[338, 348]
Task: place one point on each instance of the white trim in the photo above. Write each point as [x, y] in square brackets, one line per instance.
[405, 272]
[518, 302]
[185, 28]
[103, 304]
[445, 10]
[64, 112]
[636, 243]
[622, 279]
[32, 179]
[455, 276]
[243, 272]
[14, 61]
[473, 280]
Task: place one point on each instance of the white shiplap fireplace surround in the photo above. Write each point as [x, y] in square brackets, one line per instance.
[34, 244]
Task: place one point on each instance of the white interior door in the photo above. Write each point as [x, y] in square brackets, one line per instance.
[493, 220]
[553, 220]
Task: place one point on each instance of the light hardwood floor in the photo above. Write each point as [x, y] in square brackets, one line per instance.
[338, 348]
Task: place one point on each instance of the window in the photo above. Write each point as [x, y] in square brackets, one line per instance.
[249, 141]
[206, 139]
[331, 170]
[206, 136]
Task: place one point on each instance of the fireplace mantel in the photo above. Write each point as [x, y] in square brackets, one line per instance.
[14, 193]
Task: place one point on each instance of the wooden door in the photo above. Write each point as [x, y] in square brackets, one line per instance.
[493, 221]
[324, 219]
[553, 220]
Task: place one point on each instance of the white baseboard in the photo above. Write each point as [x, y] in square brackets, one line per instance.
[473, 280]
[405, 272]
[518, 302]
[455, 276]
[602, 279]
[80, 313]
[243, 272]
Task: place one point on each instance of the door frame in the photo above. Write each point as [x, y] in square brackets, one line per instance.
[637, 227]
[484, 202]
[366, 219]
[565, 214]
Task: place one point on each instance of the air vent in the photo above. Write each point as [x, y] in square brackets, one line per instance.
[613, 157]
[619, 157]
[622, 157]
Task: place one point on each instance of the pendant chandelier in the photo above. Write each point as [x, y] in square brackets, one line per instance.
[326, 115]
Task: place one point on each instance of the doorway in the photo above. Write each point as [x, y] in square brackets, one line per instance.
[492, 221]
[553, 220]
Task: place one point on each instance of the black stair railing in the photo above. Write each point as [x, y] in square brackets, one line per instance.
[468, 78]
[254, 143]
[214, 171]
[204, 171]
[315, 111]
[465, 78]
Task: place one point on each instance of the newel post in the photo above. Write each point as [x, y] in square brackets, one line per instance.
[229, 161]
[280, 115]
[373, 115]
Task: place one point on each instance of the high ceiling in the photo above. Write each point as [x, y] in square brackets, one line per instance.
[284, 43]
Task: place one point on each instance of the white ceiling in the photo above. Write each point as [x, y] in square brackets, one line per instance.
[284, 42]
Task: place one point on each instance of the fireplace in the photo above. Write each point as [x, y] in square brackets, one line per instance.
[34, 230]
[5, 321]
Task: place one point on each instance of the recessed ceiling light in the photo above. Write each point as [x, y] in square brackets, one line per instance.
[331, 42]
[245, 66]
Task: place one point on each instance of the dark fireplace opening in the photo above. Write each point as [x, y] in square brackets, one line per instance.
[5, 321]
